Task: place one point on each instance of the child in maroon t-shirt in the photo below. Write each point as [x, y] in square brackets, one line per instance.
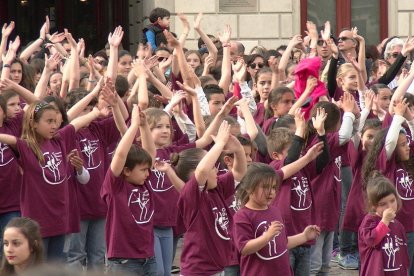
[258, 229]
[129, 221]
[381, 238]
[202, 203]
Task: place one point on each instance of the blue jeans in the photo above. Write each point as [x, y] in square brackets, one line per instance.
[4, 219]
[300, 260]
[410, 247]
[163, 248]
[141, 267]
[87, 248]
[321, 254]
[233, 270]
[53, 248]
[347, 240]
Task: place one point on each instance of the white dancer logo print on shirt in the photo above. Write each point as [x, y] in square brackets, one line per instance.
[404, 185]
[3, 148]
[88, 148]
[51, 169]
[138, 203]
[302, 201]
[391, 248]
[268, 252]
[159, 185]
[338, 163]
[221, 223]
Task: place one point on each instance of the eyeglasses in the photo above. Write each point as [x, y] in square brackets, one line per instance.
[321, 42]
[394, 55]
[254, 65]
[344, 38]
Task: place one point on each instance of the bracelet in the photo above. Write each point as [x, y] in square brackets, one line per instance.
[6, 66]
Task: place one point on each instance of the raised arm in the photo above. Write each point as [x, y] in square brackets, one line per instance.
[209, 160]
[73, 65]
[311, 83]
[186, 28]
[140, 71]
[114, 40]
[295, 41]
[9, 140]
[5, 33]
[225, 79]
[83, 103]
[9, 57]
[361, 54]
[121, 152]
[401, 89]
[27, 95]
[212, 49]
[111, 97]
[251, 127]
[50, 65]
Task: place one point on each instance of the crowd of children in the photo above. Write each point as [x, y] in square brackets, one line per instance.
[275, 162]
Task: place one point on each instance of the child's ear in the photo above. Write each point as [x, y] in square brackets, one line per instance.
[126, 171]
[228, 161]
[275, 156]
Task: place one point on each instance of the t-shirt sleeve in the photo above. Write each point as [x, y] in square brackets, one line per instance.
[367, 232]
[226, 184]
[68, 136]
[107, 131]
[242, 231]
[112, 184]
[188, 202]
[16, 124]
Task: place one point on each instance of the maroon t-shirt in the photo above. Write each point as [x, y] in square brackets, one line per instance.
[73, 204]
[398, 175]
[207, 244]
[93, 142]
[44, 194]
[272, 259]
[267, 124]
[10, 175]
[129, 220]
[326, 186]
[294, 199]
[260, 114]
[164, 193]
[390, 256]
[355, 205]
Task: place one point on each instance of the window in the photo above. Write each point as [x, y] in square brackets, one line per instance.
[370, 16]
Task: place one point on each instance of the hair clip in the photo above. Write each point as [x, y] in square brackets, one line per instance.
[39, 106]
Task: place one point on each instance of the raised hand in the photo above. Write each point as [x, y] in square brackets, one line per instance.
[151, 62]
[139, 68]
[311, 30]
[177, 98]
[53, 61]
[400, 107]
[408, 46]
[300, 121]
[70, 39]
[356, 36]
[274, 64]
[369, 99]
[109, 94]
[318, 121]
[326, 32]
[172, 41]
[11, 53]
[45, 29]
[198, 21]
[184, 21]
[347, 102]
[240, 70]
[295, 41]
[228, 106]
[223, 134]
[314, 151]
[163, 65]
[57, 37]
[225, 35]
[161, 166]
[115, 38]
[7, 29]
[353, 61]
[191, 91]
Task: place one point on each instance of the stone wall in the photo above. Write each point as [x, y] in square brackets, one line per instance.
[401, 18]
[272, 25]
